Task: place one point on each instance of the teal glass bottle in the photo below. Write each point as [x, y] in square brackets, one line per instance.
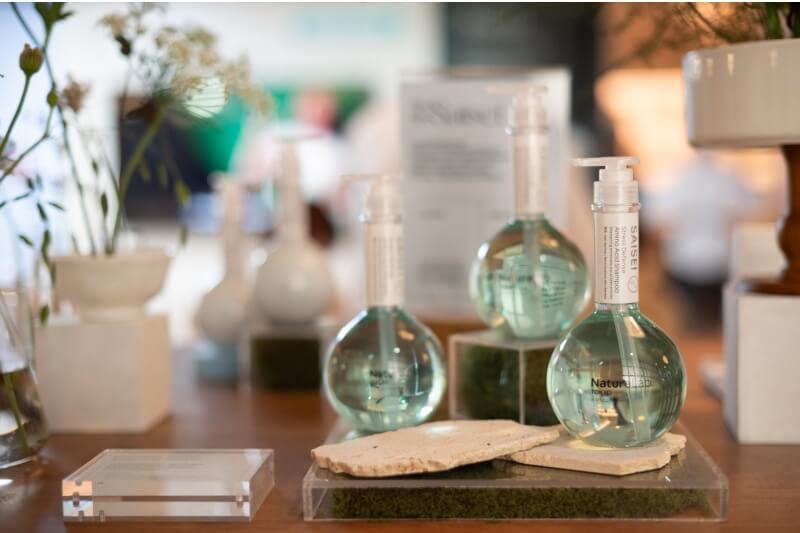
[385, 369]
[616, 379]
[529, 279]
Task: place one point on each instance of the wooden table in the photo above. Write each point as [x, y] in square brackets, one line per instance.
[764, 480]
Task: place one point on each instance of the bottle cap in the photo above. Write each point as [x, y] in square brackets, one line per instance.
[383, 196]
[526, 112]
[616, 185]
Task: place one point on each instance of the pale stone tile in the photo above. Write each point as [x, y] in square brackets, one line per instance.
[430, 447]
[570, 453]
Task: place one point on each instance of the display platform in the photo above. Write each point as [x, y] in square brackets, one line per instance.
[173, 485]
[690, 488]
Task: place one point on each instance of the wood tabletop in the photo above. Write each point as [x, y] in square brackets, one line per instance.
[764, 480]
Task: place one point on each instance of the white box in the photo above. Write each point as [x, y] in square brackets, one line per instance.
[762, 360]
[104, 377]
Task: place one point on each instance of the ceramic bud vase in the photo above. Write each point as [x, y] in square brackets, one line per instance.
[23, 430]
[106, 367]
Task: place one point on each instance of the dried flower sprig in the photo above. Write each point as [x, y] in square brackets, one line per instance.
[181, 72]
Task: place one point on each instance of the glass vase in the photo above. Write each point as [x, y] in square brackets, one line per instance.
[23, 430]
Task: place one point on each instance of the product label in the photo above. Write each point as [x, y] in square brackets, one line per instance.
[384, 248]
[616, 251]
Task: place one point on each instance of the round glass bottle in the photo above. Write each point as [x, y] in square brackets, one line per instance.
[384, 371]
[529, 279]
[616, 379]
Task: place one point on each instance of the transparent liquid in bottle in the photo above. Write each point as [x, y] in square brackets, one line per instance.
[616, 379]
[385, 371]
[529, 280]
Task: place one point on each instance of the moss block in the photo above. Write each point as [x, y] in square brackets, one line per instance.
[489, 383]
[437, 503]
[510, 503]
[285, 363]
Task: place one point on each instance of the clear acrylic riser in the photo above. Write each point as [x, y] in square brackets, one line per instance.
[690, 488]
[496, 377]
[286, 357]
[169, 485]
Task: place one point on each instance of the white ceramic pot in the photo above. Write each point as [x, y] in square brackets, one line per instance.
[109, 288]
[294, 284]
[743, 95]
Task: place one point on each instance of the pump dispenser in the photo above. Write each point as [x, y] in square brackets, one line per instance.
[294, 285]
[529, 280]
[616, 379]
[385, 369]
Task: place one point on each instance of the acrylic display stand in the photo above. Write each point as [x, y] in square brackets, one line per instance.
[189, 485]
[761, 338]
[104, 376]
[287, 357]
[690, 488]
[216, 361]
[493, 377]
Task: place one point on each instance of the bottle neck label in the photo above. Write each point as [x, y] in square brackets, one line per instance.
[385, 277]
[529, 166]
[616, 257]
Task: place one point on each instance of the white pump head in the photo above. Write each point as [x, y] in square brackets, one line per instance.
[526, 112]
[384, 202]
[616, 185]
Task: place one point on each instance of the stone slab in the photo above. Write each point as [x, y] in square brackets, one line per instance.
[431, 447]
[569, 453]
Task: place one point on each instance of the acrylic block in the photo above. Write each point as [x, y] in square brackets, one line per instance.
[287, 357]
[216, 361]
[104, 377]
[690, 488]
[761, 339]
[496, 377]
[169, 485]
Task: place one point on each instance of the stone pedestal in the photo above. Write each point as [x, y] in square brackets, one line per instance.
[105, 376]
[762, 361]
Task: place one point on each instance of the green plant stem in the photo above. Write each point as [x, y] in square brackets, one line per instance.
[130, 167]
[64, 129]
[30, 149]
[22, 97]
[8, 382]
[77, 181]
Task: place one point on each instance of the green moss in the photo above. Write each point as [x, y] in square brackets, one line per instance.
[285, 363]
[489, 384]
[537, 406]
[433, 503]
